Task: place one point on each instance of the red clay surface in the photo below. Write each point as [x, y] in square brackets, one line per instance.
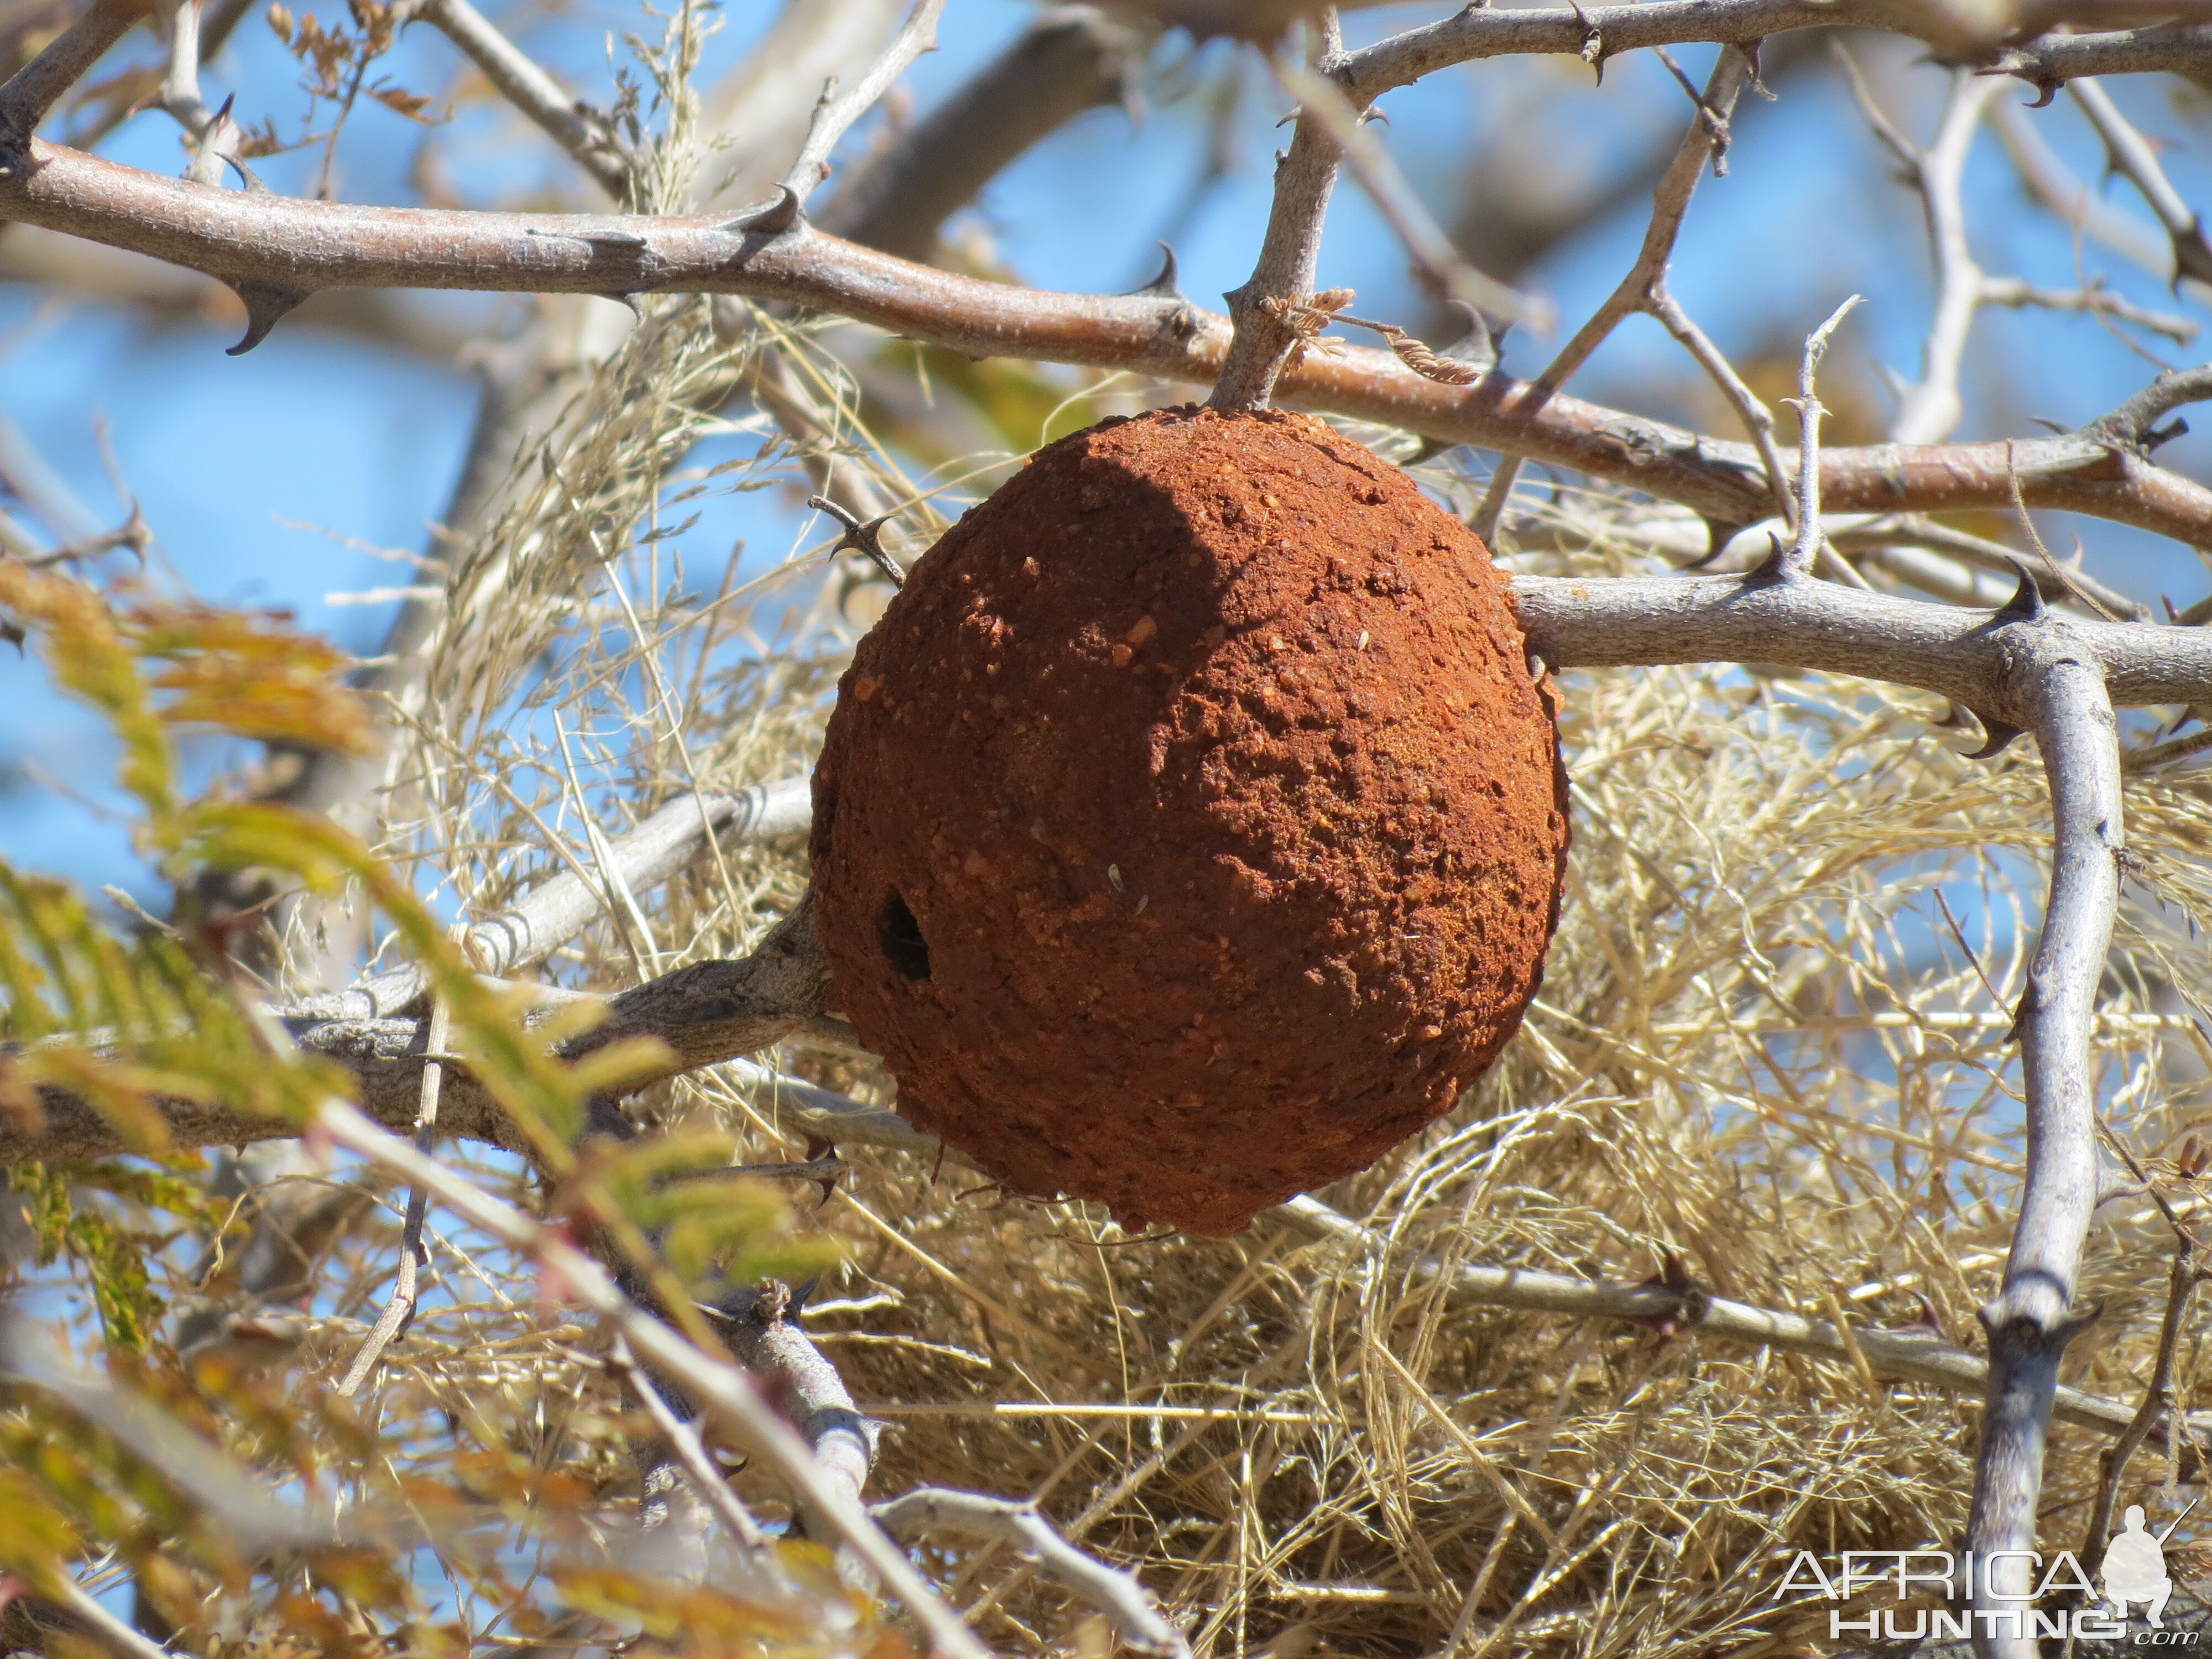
[1189, 831]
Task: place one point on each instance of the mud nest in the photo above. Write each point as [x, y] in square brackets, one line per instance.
[1190, 831]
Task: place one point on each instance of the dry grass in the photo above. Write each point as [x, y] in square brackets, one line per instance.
[1761, 1049]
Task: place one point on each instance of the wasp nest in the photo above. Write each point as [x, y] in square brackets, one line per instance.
[1189, 831]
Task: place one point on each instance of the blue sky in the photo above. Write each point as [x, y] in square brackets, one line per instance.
[265, 478]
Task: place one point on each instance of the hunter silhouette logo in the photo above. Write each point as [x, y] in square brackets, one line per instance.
[2135, 1567]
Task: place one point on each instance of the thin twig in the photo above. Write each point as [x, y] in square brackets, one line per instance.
[399, 1311]
[2186, 1273]
[1439, 265]
[1113, 1592]
[1645, 287]
[691, 1451]
[1758, 419]
[723, 1391]
[2076, 591]
[835, 114]
[1809, 410]
[2159, 754]
[520, 80]
[110, 1631]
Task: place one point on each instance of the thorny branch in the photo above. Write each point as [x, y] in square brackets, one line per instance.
[2130, 154]
[835, 114]
[1645, 287]
[1806, 548]
[2034, 1314]
[280, 249]
[1261, 345]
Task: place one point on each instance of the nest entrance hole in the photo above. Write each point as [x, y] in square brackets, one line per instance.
[899, 936]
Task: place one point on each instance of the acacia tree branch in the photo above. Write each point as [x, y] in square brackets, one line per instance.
[1113, 1592]
[706, 1013]
[1645, 287]
[2071, 199]
[1932, 407]
[2034, 1314]
[2049, 61]
[569, 122]
[1070, 60]
[554, 912]
[762, 1329]
[1966, 655]
[1597, 33]
[255, 240]
[34, 90]
[721, 1390]
[1915, 1357]
[1262, 345]
[399, 1311]
[2129, 153]
[836, 112]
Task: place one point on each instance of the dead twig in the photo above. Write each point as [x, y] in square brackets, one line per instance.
[1113, 1592]
[399, 1311]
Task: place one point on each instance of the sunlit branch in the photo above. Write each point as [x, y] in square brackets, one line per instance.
[275, 244]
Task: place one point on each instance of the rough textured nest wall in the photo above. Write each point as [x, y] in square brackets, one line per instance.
[1189, 831]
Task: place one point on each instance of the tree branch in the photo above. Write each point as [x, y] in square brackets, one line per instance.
[835, 114]
[286, 246]
[1064, 63]
[2051, 60]
[2072, 200]
[34, 90]
[2128, 152]
[1261, 345]
[721, 1390]
[518, 78]
[1598, 33]
[763, 1332]
[1932, 407]
[1966, 655]
[706, 1013]
[1914, 1357]
[1115, 1593]
[1645, 287]
[2034, 1314]
[668, 841]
